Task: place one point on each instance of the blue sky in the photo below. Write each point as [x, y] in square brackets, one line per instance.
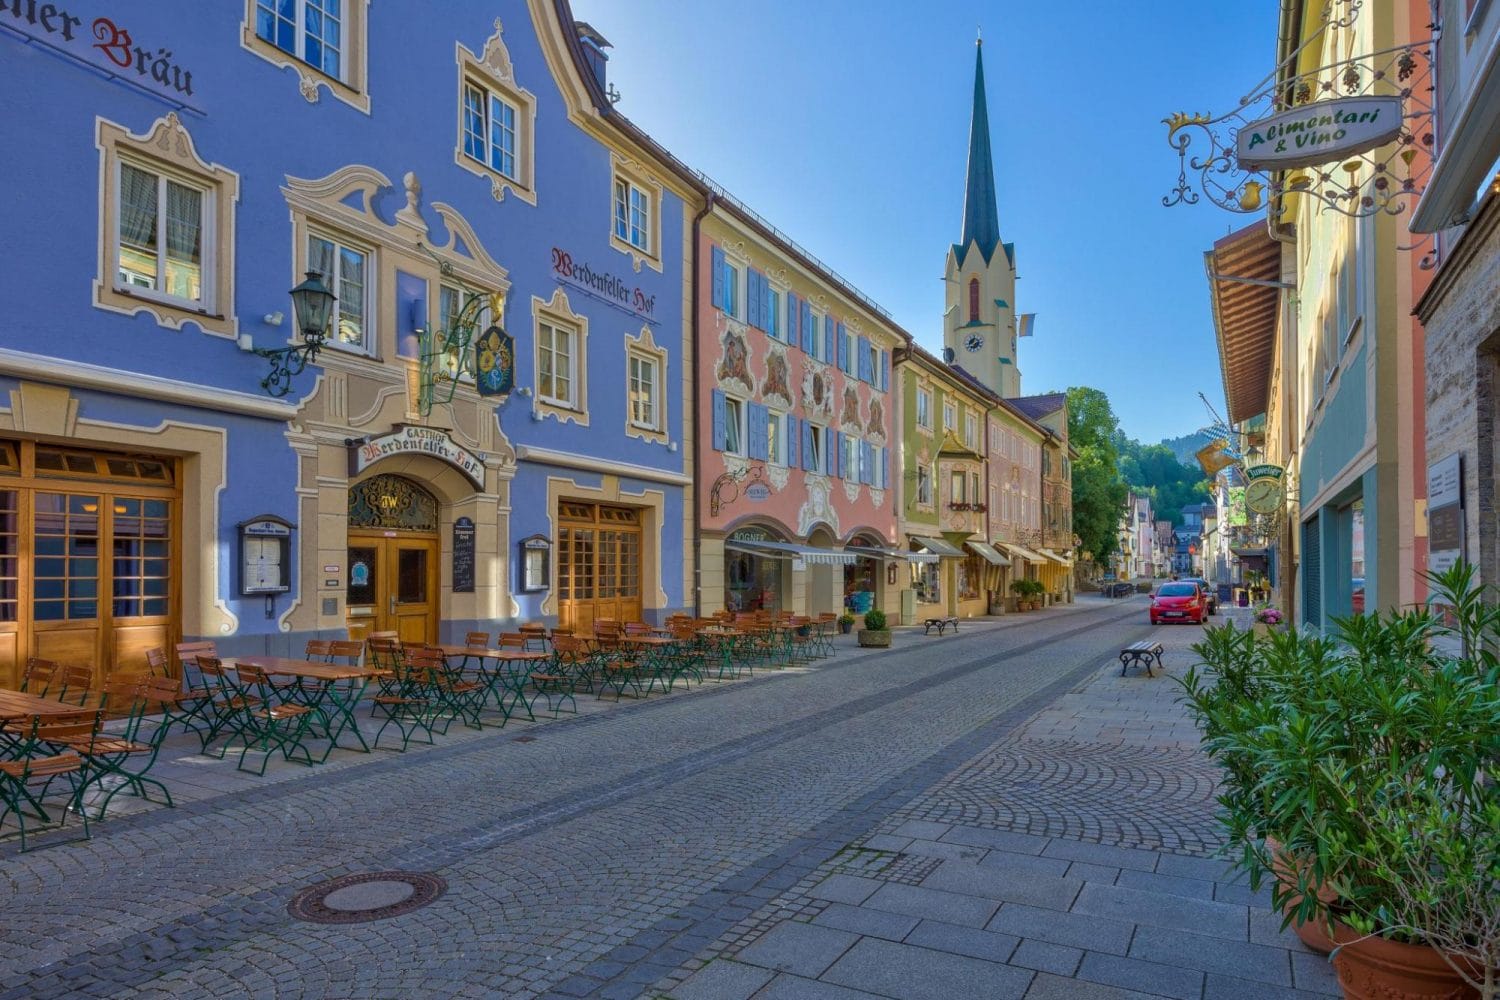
[846, 125]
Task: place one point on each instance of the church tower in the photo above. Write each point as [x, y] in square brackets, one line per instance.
[979, 317]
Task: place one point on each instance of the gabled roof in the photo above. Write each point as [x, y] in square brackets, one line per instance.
[1037, 407]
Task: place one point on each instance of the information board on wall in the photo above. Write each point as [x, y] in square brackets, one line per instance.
[1445, 513]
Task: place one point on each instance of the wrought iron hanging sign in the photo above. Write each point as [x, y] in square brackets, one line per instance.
[1355, 134]
[495, 362]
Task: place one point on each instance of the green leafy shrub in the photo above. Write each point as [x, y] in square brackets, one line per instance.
[875, 620]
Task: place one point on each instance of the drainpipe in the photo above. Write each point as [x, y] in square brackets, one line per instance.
[692, 373]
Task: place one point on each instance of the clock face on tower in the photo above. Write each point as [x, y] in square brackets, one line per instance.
[974, 343]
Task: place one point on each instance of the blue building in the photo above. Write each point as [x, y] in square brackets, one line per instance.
[463, 188]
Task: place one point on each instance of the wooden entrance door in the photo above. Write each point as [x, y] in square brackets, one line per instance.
[598, 564]
[393, 585]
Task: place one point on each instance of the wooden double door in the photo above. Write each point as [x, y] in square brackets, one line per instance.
[599, 564]
[393, 585]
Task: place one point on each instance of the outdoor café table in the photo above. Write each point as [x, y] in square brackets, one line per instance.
[506, 682]
[19, 705]
[656, 650]
[335, 685]
[725, 644]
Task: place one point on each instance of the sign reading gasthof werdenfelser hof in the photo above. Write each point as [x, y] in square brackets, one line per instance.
[1320, 132]
[409, 440]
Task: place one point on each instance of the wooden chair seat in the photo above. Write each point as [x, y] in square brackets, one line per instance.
[42, 767]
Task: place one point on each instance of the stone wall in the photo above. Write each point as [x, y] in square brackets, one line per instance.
[1461, 314]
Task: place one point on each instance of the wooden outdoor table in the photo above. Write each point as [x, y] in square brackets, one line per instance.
[340, 700]
[18, 704]
[726, 644]
[507, 686]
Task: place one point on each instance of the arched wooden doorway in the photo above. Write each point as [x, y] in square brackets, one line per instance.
[393, 559]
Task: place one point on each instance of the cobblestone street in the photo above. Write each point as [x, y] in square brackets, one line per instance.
[984, 814]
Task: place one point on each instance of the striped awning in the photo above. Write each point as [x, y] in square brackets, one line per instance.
[786, 550]
[987, 553]
[893, 555]
[937, 546]
[1061, 560]
[1023, 552]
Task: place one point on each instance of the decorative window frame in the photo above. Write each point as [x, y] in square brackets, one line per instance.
[493, 70]
[916, 418]
[354, 89]
[634, 172]
[167, 146]
[559, 311]
[644, 346]
[343, 205]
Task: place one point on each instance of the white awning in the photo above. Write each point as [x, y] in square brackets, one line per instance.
[1024, 552]
[987, 553]
[786, 550]
[937, 546]
[1060, 560]
[894, 555]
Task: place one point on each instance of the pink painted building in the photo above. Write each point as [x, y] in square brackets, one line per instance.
[795, 428]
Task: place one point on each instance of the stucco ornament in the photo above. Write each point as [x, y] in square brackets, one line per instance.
[817, 507]
[777, 386]
[875, 426]
[851, 490]
[496, 56]
[734, 361]
[877, 497]
[850, 415]
[817, 391]
[778, 476]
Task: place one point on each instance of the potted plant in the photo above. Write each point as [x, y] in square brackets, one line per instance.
[1360, 771]
[875, 633]
[1022, 590]
[1266, 619]
[846, 623]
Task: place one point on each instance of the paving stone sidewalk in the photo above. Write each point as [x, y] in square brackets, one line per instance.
[1073, 858]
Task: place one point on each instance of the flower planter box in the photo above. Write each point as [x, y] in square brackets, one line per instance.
[875, 638]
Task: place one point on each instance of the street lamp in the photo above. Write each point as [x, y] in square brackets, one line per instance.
[312, 304]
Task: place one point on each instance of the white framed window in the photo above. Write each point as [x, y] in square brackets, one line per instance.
[160, 234]
[489, 129]
[347, 271]
[167, 225]
[633, 214]
[862, 469]
[971, 430]
[645, 390]
[734, 298]
[556, 364]
[924, 408]
[816, 337]
[776, 449]
[773, 317]
[957, 490]
[818, 439]
[851, 451]
[924, 485]
[875, 366]
[845, 350]
[734, 426]
[974, 494]
[323, 40]
[950, 417]
[452, 301]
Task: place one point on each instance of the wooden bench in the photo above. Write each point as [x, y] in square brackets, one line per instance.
[941, 624]
[1141, 654]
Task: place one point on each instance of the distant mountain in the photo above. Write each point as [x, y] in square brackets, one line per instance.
[1184, 447]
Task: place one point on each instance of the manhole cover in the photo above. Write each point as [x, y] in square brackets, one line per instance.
[356, 899]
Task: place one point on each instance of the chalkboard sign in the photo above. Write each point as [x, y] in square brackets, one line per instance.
[463, 556]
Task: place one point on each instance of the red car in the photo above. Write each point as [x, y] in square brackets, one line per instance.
[1179, 601]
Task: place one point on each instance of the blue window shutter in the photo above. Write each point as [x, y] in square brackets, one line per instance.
[831, 441]
[885, 467]
[767, 318]
[885, 370]
[720, 419]
[807, 448]
[828, 347]
[751, 302]
[862, 357]
[792, 306]
[808, 333]
[718, 280]
[789, 428]
[843, 348]
[758, 432]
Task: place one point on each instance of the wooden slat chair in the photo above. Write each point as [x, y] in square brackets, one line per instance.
[269, 724]
[129, 754]
[535, 633]
[386, 657]
[406, 704]
[803, 638]
[228, 707]
[319, 650]
[477, 640]
[454, 695]
[688, 654]
[157, 662]
[573, 658]
[553, 684]
[345, 651]
[512, 640]
[38, 677]
[823, 631]
[195, 707]
[75, 685]
[26, 780]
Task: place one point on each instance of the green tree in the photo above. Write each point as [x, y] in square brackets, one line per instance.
[1098, 486]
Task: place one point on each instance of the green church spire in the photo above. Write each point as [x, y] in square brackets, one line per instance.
[981, 217]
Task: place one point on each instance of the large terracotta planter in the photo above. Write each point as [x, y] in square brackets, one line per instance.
[1287, 868]
[1372, 968]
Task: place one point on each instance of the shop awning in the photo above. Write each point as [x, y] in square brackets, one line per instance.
[1244, 273]
[894, 555]
[1060, 560]
[937, 546]
[1023, 552]
[786, 550]
[987, 553]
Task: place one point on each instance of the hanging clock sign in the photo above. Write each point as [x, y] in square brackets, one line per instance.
[1266, 490]
[494, 362]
